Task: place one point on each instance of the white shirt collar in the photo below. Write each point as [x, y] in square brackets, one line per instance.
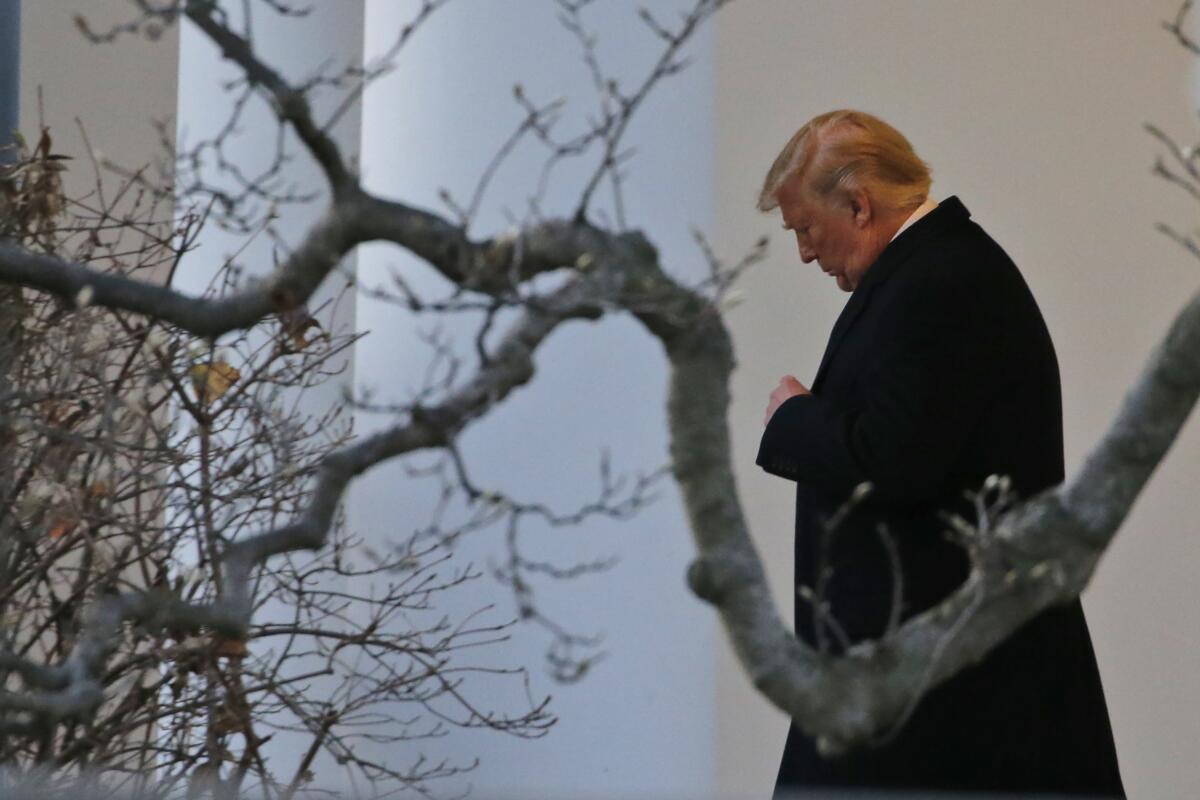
[929, 205]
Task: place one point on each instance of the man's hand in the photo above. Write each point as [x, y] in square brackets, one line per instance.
[788, 387]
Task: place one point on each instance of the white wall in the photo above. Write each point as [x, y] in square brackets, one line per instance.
[111, 92]
[1031, 113]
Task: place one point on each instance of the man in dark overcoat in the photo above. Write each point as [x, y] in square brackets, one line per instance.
[939, 373]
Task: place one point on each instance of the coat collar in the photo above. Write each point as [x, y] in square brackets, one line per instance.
[949, 214]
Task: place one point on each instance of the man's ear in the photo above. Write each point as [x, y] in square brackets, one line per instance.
[860, 207]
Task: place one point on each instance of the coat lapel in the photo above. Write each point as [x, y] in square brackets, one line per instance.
[850, 312]
[949, 212]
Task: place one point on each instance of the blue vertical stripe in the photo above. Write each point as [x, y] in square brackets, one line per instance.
[10, 71]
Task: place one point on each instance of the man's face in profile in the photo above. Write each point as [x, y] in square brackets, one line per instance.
[828, 233]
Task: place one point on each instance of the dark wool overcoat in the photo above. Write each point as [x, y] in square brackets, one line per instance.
[939, 372]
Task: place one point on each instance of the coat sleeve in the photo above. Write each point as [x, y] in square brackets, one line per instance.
[917, 401]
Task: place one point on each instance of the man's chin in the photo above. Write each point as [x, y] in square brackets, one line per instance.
[844, 283]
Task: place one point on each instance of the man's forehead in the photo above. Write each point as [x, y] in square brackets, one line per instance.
[794, 201]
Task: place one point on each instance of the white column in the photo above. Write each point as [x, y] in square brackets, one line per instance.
[640, 724]
[329, 37]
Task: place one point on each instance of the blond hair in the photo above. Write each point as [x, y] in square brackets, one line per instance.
[841, 151]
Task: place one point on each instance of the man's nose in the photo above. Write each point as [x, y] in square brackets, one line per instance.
[807, 254]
